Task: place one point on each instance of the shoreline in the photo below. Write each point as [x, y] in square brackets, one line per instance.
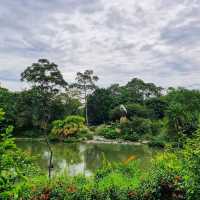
[96, 140]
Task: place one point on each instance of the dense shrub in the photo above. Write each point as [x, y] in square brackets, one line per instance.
[182, 112]
[157, 107]
[181, 121]
[158, 141]
[111, 182]
[164, 180]
[70, 127]
[15, 165]
[135, 128]
[191, 165]
[158, 138]
[108, 131]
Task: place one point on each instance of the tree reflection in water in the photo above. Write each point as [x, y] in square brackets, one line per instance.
[84, 158]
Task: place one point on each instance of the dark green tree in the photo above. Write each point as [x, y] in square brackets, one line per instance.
[99, 104]
[15, 165]
[158, 106]
[138, 91]
[8, 103]
[135, 91]
[183, 111]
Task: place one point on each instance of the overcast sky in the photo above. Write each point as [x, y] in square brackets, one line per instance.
[155, 40]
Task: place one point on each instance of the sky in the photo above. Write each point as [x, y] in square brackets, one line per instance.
[154, 40]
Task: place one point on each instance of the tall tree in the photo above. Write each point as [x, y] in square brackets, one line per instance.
[137, 90]
[85, 83]
[47, 80]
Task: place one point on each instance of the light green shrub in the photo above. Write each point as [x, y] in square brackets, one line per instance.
[71, 126]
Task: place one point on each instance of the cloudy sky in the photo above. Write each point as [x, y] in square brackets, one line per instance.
[155, 40]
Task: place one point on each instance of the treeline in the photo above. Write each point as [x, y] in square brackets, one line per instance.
[24, 109]
[152, 112]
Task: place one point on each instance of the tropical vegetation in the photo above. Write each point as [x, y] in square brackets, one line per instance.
[55, 110]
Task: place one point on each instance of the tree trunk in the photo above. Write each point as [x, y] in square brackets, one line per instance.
[86, 111]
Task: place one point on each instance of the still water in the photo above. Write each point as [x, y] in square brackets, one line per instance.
[83, 158]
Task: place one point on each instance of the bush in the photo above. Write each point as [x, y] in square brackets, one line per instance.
[165, 179]
[111, 182]
[135, 128]
[191, 165]
[15, 165]
[108, 131]
[70, 127]
[159, 140]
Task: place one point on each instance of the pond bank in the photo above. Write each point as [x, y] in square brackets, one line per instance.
[95, 140]
[102, 140]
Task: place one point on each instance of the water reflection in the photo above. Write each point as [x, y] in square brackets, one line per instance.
[84, 158]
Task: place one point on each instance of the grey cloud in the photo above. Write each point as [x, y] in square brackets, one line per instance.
[187, 34]
[118, 39]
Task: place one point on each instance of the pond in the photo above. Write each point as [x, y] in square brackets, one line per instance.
[85, 158]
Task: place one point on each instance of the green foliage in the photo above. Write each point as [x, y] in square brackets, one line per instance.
[191, 155]
[158, 141]
[178, 171]
[112, 182]
[181, 120]
[183, 111]
[15, 166]
[44, 75]
[133, 95]
[167, 179]
[47, 82]
[135, 128]
[157, 107]
[8, 104]
[108, 131]
[164, 180]
[26, 110]
[99, 114]
[71, 126]
[118, 176]
[75, 119]
[172, 176]
[29, 105]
